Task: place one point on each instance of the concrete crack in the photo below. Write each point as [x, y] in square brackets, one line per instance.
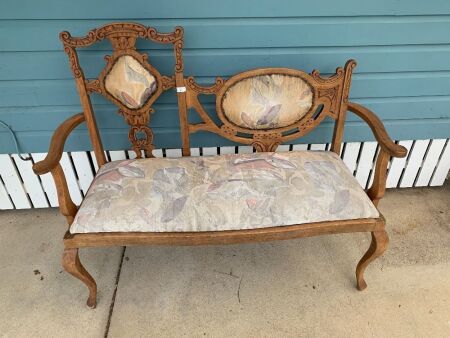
[113, 300]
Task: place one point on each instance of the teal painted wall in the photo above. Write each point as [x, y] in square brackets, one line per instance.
[402, 49]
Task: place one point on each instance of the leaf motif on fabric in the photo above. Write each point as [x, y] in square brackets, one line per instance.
[258, 204]
[129, 171]
[110, 175]
[134, 75]
[341, 199]
[128, 100]
[170, 174]
[304, 94]
[214, 186]
[247, 120]
[316, 169]
[283, 163]
[269, 115]
[253, 163]
[251, 203]
[113, 186]
[266, 80]
[104, 204]
[160, 175]
[257, 91]
[173, 209]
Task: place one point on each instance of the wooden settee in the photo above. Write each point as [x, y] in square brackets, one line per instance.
[223, 199]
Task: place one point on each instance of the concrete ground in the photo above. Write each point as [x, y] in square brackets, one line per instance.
[303, 287]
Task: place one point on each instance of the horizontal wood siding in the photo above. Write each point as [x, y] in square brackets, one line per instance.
[402, 49]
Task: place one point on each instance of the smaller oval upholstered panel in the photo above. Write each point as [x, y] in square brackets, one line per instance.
[267, 101]
[129, 82]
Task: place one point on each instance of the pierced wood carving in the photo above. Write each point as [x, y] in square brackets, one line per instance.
[267, 142]
[190, 82]
[328, 95]
[123, 37]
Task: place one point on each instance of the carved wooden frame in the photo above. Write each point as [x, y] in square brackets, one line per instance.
[123, 37]
[330, 97]
[332, 92]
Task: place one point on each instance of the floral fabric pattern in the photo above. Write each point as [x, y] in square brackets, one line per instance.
[228, 192]
[267, 101]
[129, 82]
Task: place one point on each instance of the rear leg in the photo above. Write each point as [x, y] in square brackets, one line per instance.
[71, 263]
[380, 241]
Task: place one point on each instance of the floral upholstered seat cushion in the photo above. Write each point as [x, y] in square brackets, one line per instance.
[228, 192]
[129, 82]
[267, 101]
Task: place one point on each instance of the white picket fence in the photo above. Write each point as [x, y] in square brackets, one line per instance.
[427, 164]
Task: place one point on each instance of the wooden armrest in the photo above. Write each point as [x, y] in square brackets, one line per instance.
[378, 130]
[57, 145]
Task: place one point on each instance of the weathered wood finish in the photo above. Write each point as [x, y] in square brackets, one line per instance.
[330, 96]
[222, 237]
[71, 263]
[387, 149]
[66, 205]
[57, 144]
[51, 164]
[378, 130]
[378, 246]
[331, 93]
[122, 37]
[338, 132]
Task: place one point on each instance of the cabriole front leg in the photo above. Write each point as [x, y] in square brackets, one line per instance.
[378, 246]
[71, 263]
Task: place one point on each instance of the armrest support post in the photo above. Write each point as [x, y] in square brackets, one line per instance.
[66, 205]
[387, 149]
[378, 187]
[51, 164]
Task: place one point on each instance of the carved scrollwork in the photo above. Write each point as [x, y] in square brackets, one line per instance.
[123, 42]
[268, 146]
[138, 143]
[121, 29]
[204, 89]
[139, 126]
[178, 48]
[156, 36]
[330, 94]
[84, 41]
[168, 82]
[122, 37]
[93, 86]
[121, 34]
[266, 142]
[267, 136]
[265, 147]
[333, 78]
[73, 60]
[307, 124]
[228, 130]
[134, 120]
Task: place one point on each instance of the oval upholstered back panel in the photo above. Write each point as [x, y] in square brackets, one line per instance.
[267, 101]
